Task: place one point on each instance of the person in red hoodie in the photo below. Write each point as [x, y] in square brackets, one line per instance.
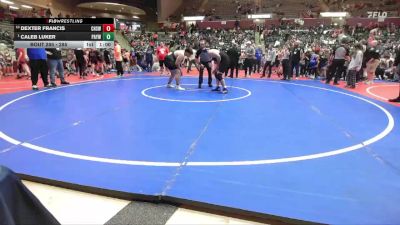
[162, 52]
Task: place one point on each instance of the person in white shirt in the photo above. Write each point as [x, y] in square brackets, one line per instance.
[270, 61]
[355, 65]
[248, 61]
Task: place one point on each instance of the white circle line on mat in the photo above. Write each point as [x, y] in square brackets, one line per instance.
[194, 101]
[382, 134]
[369, 91]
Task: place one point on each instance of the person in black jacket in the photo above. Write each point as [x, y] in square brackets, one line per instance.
[397, 65]
[234, 55]
[295, 56]
[54, 61]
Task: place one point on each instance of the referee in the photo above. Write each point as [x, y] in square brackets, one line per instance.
[204, 60]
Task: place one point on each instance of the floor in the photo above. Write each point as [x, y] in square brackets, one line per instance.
[300, 150]
[74, 207]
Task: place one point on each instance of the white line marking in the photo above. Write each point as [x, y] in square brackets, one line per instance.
[194, 101]
[9, 139]
[386, 131]
[378, 96]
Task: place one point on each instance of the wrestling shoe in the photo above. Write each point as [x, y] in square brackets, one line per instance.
[179, 88]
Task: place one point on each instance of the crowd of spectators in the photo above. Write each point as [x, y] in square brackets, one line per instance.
[315, 49]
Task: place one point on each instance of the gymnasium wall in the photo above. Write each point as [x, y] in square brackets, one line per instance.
[165, 8]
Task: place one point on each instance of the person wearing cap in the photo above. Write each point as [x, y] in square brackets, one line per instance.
[249, 52]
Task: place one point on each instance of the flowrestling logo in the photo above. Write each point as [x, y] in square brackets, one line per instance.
[377, 14]
[65, 20]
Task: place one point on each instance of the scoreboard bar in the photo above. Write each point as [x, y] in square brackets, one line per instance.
[63, 33]
[64, 44]
[63, 21]
[65, 36]
[63, 28]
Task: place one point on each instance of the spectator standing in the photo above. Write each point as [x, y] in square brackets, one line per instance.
[257, 62]
[337, 66]
[248, 61]
[162, 51]
[55, 63]
[38, 64]
[81, 62]
[355, 65]
[118, 59]
[269, 61]
[149, 58]
[286, 67]
[295, 56]
[234, 55]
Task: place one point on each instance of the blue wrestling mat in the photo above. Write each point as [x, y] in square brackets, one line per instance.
[299, 150]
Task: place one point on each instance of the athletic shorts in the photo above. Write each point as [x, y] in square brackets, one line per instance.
[170, 62]
[224, 64]
[161, 62]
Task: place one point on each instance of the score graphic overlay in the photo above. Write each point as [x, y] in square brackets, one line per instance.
[64, 33]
